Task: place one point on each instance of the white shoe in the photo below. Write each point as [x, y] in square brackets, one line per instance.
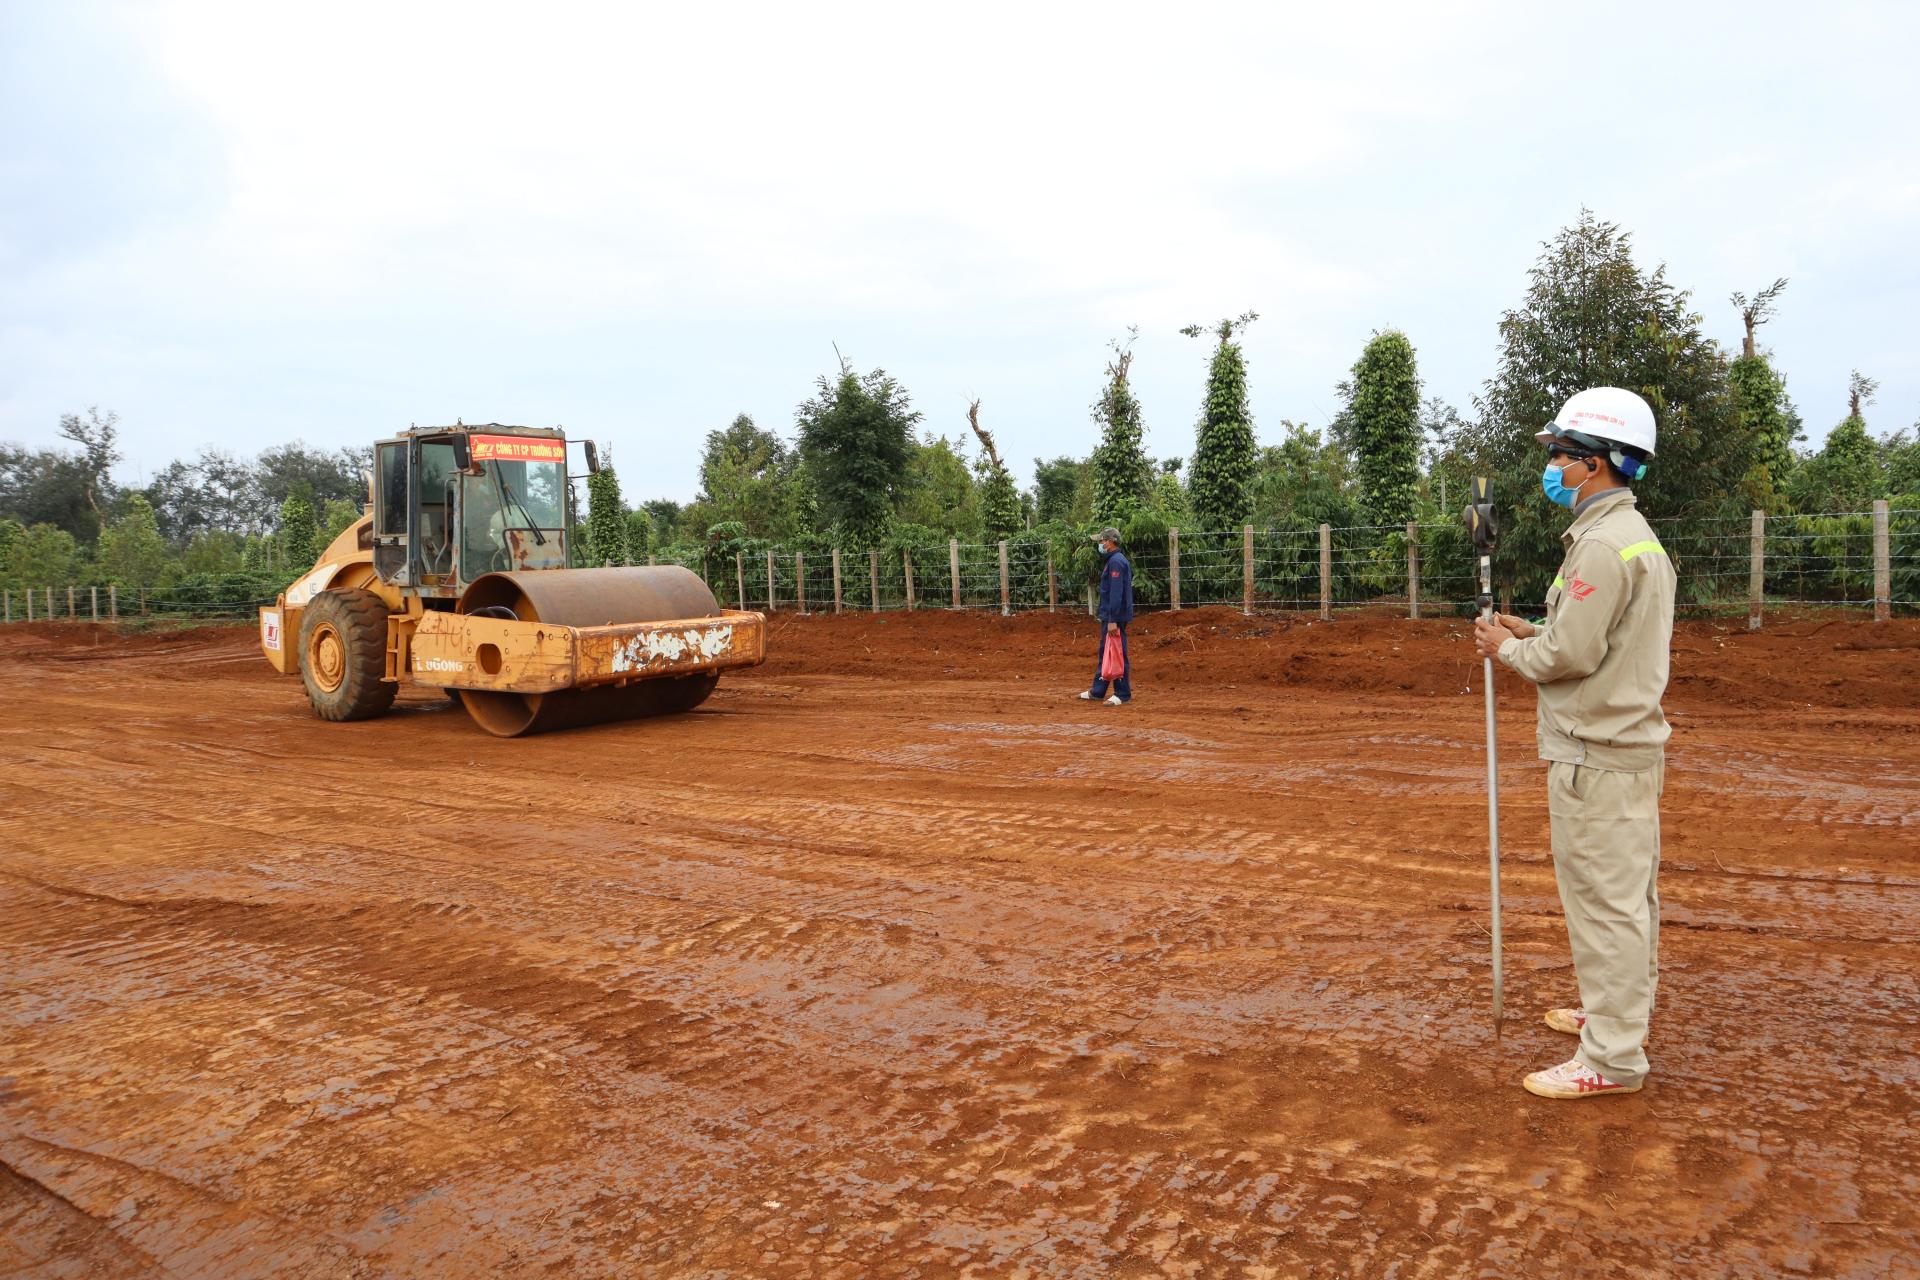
[1573, 1079]
[1116, 701]
[1567, 1020]
[1086, 696]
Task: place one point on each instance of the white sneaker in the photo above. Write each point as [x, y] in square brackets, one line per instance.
[1115, 701]
[1085, 696]
[1567, 1020]
[1573, 1079]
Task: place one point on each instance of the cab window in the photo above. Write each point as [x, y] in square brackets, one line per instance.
[435, 535]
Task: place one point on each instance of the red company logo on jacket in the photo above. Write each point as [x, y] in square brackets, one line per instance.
[1579, 588]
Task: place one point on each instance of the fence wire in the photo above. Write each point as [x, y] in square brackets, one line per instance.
[1820, 558]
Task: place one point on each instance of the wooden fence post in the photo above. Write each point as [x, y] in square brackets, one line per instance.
[740, 579]
[873, 576]
[652, 561]
[1006, 594]
[953, 568]
[1756, 569]
[1093, 610]
[1246, 568]
[113, 602]
[800, 578]
[51, 615]
[770, 592]
[1882, 564]
[836, 580]
[906, 560]
[7, 597]
[72, 612]
[29, 594]
[93, 602]
[1413, 570]
[1173, 567]
[1326, 573]
[1053, 585]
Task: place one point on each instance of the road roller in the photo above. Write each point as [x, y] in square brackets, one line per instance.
[457, 575]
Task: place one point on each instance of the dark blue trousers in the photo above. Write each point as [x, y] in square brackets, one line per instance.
[1123, 687]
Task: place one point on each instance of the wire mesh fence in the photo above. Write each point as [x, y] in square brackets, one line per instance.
[1847, 559]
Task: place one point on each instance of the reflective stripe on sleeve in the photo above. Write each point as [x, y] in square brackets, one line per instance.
[1642, 549]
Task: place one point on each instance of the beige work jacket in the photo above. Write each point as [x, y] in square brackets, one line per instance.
[1601, 659]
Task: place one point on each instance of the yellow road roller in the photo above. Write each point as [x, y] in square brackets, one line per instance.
[457, 576]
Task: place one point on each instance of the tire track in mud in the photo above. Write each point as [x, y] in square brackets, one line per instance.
[959, 1020]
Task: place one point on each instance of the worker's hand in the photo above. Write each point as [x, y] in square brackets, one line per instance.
[1489, 636]
[1521, 628]
[1113, 628]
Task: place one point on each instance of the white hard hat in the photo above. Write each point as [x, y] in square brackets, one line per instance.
[1605, 415]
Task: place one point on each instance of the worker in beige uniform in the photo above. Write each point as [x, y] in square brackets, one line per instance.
[1600, 662]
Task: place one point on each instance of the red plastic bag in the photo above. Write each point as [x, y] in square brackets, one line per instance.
[1113, 661]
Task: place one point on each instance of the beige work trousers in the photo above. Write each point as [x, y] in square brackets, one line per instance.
[1606, 857]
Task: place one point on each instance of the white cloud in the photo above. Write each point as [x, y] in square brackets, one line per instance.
[647, 218]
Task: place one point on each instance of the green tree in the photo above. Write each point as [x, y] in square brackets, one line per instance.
[1756, 311]
[99, 450]
[336, 518]
[1169, 495]
[1845, 475]
[1760, 397]
[1592, 318]
[48, 486]
[857, 435]
[1383, 416]
[1900, 461]
[1054, 484]
[606, 516]
[665, 516]
[42, 555]
[1220, 487]
[1766, 416]
[213, 551]
[744, 472]
[939, 490]
[319, 476]
[640, 543]
[1122, 481]
[132, 552]
[295, 550]
[1304, 481]
[11, 532]
[999, 501]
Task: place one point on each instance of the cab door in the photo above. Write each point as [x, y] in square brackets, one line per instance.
[390, 493]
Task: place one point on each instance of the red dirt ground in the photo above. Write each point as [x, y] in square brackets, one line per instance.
[895, 960]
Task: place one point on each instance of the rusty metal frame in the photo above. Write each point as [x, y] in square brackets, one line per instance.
[503, 655]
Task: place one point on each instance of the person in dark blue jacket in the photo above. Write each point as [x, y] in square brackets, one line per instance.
[1115, 612]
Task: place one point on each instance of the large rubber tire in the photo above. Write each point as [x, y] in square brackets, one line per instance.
[343, 655]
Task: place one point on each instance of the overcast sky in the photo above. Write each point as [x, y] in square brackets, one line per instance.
[242, 224]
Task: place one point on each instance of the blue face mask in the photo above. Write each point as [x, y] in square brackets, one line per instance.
[1550, 484]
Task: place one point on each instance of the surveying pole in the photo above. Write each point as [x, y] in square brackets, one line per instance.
[1485, 532]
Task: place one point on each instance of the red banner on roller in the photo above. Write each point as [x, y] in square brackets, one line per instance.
[518, 449]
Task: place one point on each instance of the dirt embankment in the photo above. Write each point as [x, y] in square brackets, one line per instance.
[1824, 662]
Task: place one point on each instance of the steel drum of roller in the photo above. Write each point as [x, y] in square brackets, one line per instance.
[589, 598]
